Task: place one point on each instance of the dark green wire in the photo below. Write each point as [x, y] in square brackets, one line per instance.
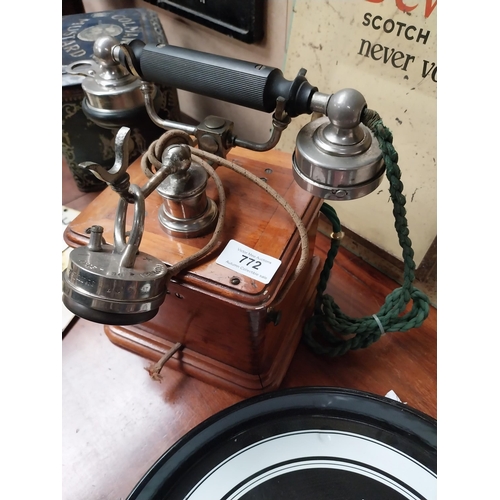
[329, 331]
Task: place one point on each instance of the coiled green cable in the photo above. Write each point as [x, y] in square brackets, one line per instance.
[329, 331]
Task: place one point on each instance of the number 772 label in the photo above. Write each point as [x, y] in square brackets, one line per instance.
[249, 262]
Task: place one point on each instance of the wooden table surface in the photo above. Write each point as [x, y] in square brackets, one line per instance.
[117, 421]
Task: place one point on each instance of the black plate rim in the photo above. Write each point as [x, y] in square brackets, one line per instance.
[374, 408]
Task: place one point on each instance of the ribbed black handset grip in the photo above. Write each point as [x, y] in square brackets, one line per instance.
[240, 82]
[231, 80]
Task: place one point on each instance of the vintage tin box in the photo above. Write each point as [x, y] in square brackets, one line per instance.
[82, 139]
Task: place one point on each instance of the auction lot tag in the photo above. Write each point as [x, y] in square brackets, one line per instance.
[249, 262]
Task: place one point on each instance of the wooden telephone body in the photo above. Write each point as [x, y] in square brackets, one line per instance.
[232, 336]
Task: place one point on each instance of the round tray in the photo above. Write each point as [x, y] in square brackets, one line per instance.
[315, 442]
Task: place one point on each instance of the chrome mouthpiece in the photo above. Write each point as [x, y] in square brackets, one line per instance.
[336, 157]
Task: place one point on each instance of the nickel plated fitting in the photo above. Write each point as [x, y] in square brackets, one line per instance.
[113, 95]
[336, 157]
[186, 211]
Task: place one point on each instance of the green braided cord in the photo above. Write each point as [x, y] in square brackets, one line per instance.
[331, 332]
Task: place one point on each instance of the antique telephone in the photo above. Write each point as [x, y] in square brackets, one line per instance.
[223, 297]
